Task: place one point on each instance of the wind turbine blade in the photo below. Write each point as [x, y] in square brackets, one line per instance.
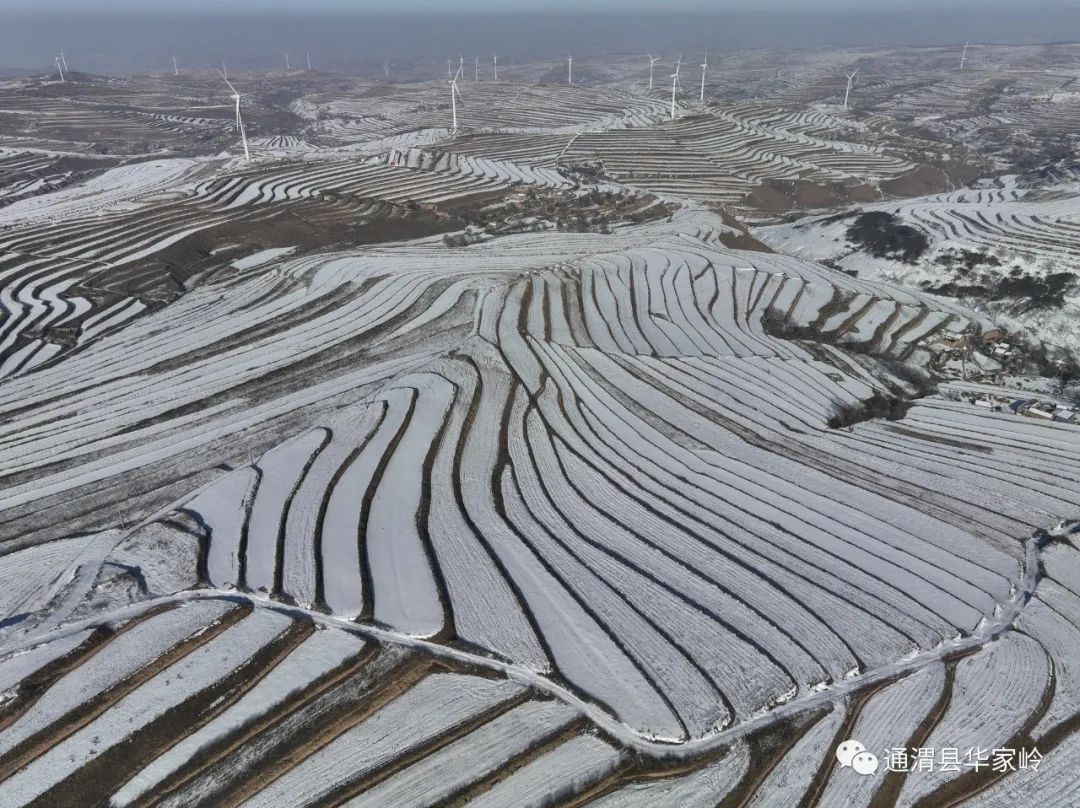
[226, 79]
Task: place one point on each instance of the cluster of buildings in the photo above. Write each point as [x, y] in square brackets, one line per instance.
[1030, 407]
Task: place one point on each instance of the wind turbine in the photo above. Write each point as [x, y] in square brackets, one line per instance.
[224, 71]
[461, 66]
[386, 68]
[850, 82]
[476, 68]
[569, 69]
[449, 72]
[307, 54]
[495, 59]
[963, 56]
[239, 120]
[704, 67]
[675, 85]
[652, 60]
[287, 65]
[60, 67]
[63, 59]
[455, 94]
[175, 67]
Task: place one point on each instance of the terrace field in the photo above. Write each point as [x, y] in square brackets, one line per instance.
[581, 456]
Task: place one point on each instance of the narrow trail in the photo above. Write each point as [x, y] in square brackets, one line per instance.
[1005, 615]
[566, 148]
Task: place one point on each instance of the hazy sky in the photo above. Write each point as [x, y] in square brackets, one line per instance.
[122, 36]
[530, 6]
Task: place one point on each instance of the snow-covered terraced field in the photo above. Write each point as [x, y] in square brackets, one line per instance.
[502, 170]
[307, 501]
[1012, 231]
[25, 174]
[1002, 220]
[714, 155]
[80, 120]
[368, 180]
[85, 275]
[502, 106]
[624, 479]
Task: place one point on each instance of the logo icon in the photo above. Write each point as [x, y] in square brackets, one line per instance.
[852, 753]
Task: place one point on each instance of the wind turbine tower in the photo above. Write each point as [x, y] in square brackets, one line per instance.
[455, 94]
[63, 59]
[704, 67]
[963, 56]
[287, 65]
[476, 68]
[569, 69]
[495, 60]
[386, 68]
[175, 66]
[239, 120]
[60, 67]
[307, 54]
[652, 60]
[850, 83]
[675, 85]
